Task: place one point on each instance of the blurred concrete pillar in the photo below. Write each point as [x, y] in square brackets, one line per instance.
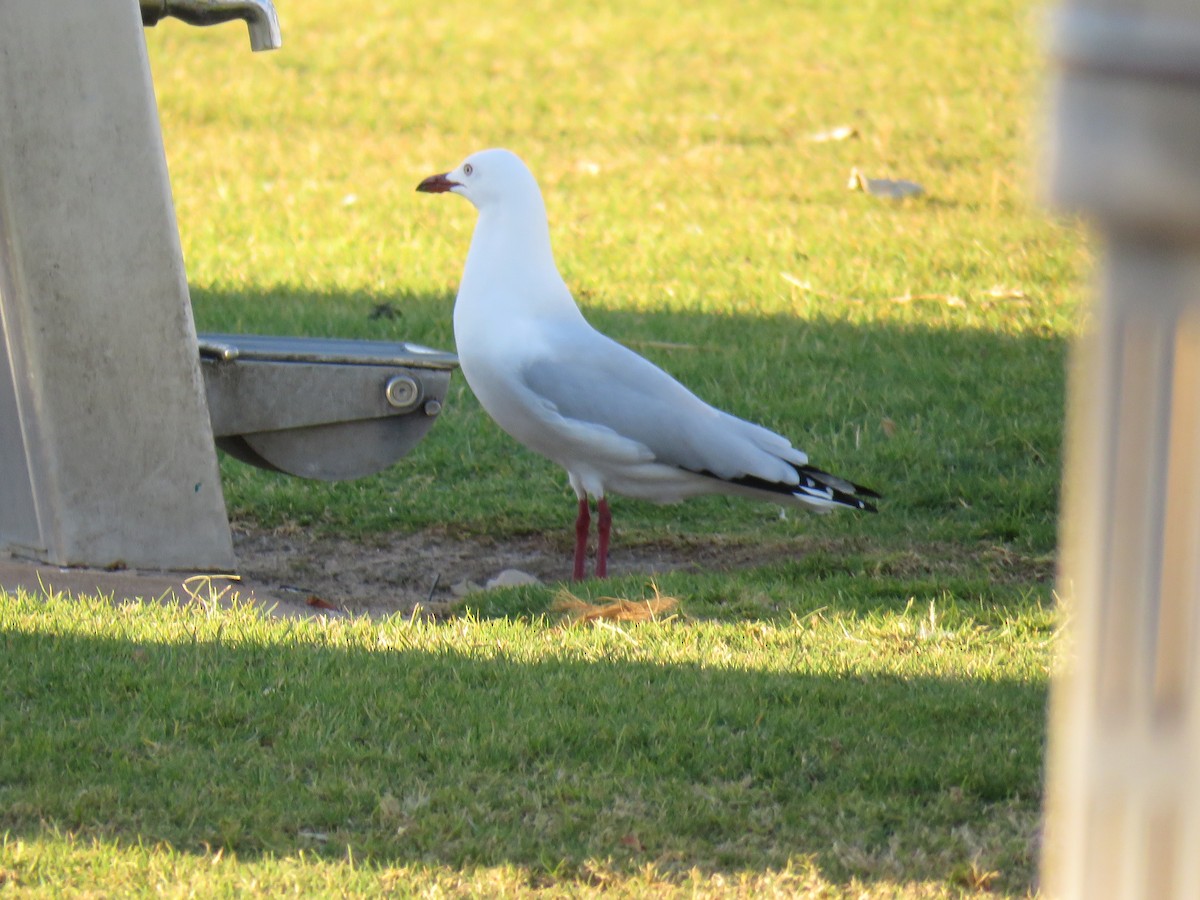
[106, 454]
[1124, 769]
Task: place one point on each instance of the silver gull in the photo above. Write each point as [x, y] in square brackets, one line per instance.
[616, 422]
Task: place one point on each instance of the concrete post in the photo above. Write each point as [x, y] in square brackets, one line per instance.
[106, 454]
[1124, 770]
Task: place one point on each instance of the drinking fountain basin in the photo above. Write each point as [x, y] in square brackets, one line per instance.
[321, 408]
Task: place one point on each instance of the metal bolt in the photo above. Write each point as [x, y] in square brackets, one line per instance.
[432, 407]
[402, 391]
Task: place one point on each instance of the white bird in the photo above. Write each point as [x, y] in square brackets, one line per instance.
[615, 421]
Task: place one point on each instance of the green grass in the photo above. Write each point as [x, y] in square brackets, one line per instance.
[861, 717]
[860, 749]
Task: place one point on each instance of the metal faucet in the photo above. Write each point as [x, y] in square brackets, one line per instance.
[259, 15]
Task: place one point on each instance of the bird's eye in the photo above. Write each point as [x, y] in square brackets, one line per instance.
[468, 168]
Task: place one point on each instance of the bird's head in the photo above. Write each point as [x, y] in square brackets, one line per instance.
[486, 178]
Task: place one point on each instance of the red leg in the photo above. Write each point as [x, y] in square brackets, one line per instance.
[603, 527]
[583, 523]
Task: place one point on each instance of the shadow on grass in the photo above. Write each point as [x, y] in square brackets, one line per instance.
[960, 427]
[435, 757]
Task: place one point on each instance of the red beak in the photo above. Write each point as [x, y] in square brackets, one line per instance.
[436, 184]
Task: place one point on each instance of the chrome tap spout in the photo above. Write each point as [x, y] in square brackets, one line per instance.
[259, 15]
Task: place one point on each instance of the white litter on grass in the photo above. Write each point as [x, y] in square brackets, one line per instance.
[883, 187]
[512, 578]
[505, 578]
[841, 133]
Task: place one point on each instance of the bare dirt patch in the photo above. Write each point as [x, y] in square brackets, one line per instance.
[383, 574]
[389, 573]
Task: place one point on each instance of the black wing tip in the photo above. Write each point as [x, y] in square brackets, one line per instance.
[854, 501]
[822, 484]
[864, 506]
[825, 478]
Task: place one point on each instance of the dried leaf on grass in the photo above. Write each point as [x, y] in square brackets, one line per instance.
[809, 289]
[633, 842]
[1000, 292]
[612, 609]
[207, 590]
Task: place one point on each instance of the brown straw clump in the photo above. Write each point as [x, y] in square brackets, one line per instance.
[613, 609]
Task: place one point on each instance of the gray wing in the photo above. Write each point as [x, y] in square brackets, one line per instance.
[592, 379]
